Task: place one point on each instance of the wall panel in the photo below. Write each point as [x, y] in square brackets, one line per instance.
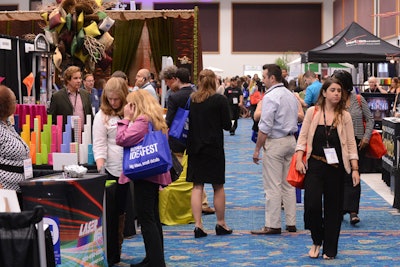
[387, 25]
[276, 27]
[365, 11]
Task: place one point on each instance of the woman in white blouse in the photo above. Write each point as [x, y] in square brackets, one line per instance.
[107, 154]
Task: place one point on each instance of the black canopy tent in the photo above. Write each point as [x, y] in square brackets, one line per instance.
[352, 45]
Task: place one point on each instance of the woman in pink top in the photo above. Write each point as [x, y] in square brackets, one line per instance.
[141, 109]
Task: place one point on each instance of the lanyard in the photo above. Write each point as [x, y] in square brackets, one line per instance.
[328, 132]
[76, 98]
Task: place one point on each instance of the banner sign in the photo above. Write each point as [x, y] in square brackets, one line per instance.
[74, 213]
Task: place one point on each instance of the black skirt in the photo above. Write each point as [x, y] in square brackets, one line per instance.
[206, 167]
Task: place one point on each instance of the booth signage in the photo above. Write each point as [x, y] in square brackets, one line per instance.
[5, 44]
[41, 43]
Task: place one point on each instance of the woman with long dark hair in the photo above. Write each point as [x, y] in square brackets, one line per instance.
[328, 136]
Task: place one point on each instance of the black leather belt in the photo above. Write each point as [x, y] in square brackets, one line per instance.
[11, 168]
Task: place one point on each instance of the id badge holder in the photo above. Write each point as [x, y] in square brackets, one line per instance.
[235, 100]
[28, 170]
[330, 155]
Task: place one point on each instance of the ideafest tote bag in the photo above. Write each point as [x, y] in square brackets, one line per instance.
[180, 125]
[150, 157]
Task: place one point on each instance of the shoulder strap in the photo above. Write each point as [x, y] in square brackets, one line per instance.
[315, 111]
[359, 100]
[187, 103]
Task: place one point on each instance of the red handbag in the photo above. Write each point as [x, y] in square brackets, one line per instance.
[294, 177]
[376, 148]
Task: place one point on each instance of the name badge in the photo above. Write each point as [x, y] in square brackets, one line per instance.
[331, 156]
[235, 100]
[28, 170]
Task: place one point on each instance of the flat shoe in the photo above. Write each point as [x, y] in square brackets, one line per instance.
[327, 257]
[208, 210]
[291, 228]
[314, 251]
[354, 218]
[267, 231]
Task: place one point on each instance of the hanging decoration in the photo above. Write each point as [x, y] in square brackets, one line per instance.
[79, 30]
[28, 81]
[195, 43]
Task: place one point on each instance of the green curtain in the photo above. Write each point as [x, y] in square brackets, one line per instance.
[126, 41]
[161, 35]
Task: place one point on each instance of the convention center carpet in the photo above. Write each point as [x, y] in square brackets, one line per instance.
[373, 242]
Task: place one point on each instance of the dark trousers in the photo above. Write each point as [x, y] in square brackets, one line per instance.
[146, 204]
[323, 201]
[351, 194]
[235, 112]
[121, 194]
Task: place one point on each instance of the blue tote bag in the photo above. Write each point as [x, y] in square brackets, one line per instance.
[180, 125]
[148, 158]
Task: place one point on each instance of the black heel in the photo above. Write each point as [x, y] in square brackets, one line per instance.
[220, 230]
[198, 232]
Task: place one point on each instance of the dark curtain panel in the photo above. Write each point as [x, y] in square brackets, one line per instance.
[184, 43]
[9, 68]
[161, 35]
[126, 41]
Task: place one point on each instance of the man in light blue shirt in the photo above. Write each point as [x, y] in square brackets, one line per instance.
[312, 91]
[277, 126]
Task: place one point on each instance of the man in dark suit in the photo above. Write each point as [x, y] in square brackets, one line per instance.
[71, 100]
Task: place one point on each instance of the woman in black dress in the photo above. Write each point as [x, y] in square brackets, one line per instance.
[209, 116]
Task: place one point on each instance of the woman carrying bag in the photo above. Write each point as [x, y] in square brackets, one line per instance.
[360, 115]
[331, 151]
[141, 110]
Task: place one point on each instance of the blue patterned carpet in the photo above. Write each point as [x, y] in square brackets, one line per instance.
[373, 242]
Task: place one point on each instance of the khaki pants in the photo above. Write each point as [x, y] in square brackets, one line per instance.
[276, 160]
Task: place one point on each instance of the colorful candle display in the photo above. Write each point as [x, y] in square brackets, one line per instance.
[59, 132]
[46, 139]
[90, 154]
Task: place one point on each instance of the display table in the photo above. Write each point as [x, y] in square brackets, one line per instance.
[74, 211]
[390, 161]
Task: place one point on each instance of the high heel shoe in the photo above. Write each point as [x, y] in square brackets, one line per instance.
[198, 232]
[220, 230]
